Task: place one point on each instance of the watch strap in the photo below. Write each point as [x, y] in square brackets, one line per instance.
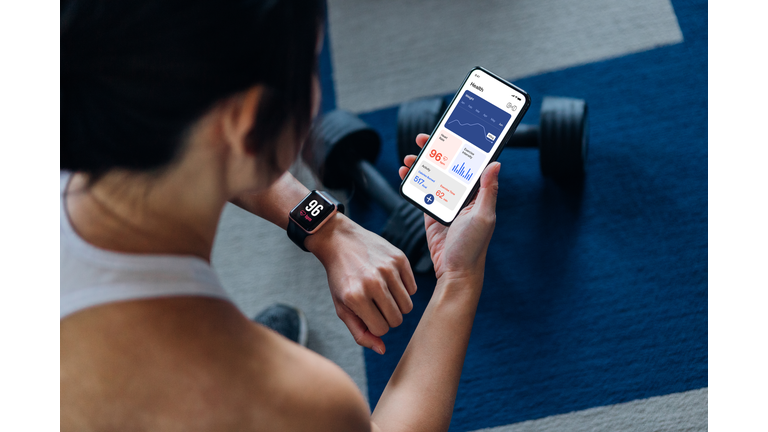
[339, 205]
[297, 234]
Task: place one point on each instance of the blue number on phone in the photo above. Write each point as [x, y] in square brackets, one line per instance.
[418, 180]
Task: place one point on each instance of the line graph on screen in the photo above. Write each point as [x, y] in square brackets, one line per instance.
[477, 121]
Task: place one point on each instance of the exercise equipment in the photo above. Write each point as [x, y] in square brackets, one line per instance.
[562, 135]
[343, 151]
[415, 117]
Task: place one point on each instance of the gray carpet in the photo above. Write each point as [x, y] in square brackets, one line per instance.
[677, 412]
[387, 52]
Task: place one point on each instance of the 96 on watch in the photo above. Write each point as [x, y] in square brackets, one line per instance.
[479, 121]
[313, 210]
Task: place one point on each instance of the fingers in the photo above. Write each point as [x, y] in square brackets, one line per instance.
[381, 304]
[359, 331]
[388, 306]
[369, 311]
[400, 292]
[406, 275]
[403, 171]
[422, 139]
[489, 188]
[408, 162]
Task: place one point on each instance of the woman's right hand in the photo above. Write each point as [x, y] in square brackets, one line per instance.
[459, 250]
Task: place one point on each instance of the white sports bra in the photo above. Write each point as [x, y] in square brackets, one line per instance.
[91, 276]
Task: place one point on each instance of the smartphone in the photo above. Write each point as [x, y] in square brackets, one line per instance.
[471, 134]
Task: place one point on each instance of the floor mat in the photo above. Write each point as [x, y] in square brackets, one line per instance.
[593, 295]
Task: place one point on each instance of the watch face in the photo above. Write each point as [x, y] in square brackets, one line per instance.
[312, 211]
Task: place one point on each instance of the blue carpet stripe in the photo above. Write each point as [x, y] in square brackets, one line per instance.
[592, 296]
[325, 69]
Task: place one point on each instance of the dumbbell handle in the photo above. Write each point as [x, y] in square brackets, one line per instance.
[368, 178]
[405, 227]
[525, 136]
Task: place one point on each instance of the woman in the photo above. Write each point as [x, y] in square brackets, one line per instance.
[169, 111]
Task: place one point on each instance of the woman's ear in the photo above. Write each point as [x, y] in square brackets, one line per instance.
[238, 119]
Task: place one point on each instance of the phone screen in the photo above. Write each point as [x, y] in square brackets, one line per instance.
[473, 130]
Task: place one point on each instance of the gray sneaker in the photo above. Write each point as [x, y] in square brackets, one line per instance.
[287, 320]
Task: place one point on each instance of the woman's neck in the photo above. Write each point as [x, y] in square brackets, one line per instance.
[172, 214]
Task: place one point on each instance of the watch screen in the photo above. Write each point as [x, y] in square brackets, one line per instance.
[313, 210]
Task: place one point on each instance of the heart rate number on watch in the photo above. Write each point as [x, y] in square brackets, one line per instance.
[313, 208]
[312, 211]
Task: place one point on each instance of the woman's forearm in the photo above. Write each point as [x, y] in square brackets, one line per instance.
[274, 203]
[422, 390]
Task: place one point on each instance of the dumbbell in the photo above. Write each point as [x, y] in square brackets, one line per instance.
[562, 135]
[343, 151]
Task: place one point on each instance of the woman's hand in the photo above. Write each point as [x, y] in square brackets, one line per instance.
[371, 281]
[459, 250]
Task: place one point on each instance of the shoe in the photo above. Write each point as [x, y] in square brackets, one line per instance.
[286, 320]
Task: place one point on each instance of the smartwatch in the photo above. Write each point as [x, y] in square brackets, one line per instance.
[310, 215]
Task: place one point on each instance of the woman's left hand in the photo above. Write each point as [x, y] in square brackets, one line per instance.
[371, 281]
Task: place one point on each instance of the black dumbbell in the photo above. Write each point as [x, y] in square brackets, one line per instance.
[343, 151]
[562, 135]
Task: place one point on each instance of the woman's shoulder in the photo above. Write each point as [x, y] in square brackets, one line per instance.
[309, 390]
[200, 364]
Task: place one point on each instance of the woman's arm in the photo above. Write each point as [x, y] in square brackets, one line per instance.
[274, 203]
[422, 390]
[371, 281]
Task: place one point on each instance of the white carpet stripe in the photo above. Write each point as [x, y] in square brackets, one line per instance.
[387, 52]
[676, 412]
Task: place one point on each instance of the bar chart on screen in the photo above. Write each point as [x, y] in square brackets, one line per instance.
[463, 172]
[467, 162]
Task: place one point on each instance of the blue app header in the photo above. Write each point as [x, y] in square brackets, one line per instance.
[477, 121]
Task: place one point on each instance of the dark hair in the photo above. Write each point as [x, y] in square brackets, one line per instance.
[136, 74]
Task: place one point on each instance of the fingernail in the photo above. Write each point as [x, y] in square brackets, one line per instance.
[378, 350]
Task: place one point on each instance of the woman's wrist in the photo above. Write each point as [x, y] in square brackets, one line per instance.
[462, 282]
[472, 271]
[321, 243]
[462, 276]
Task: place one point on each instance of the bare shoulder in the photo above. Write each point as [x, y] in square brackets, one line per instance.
[306, 391]
[196, 364]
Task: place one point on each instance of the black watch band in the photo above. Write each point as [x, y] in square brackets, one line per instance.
[297, 234]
